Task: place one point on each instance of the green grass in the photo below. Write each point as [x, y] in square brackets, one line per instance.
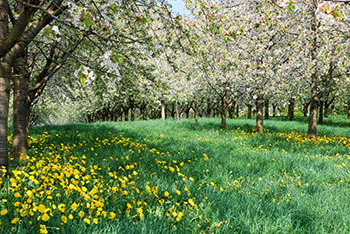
[231, 181]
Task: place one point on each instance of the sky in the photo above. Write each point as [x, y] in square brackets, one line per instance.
[178, 6]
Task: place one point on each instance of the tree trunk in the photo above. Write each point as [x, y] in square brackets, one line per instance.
[267, 114]
[306, 108]
[223, 110]
[162, 106]
[312, 127]
[259, 115]
[320, 115]
[195, 109]
[291, 109]
[208, 108]
[237, 111]
[315, 100]
[126, 114]
[21, 110]
[327, 104]
[348, 110]
[151, 113]
[274, 111]
[231, 110]
[177, 111]
[5, 74]
[249, 111]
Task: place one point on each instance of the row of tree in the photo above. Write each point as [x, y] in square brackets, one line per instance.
[98, 59]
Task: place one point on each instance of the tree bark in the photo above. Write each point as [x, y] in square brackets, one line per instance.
[274, 111]
[249, 111]
[291, 107]
[237, 110]
[223, 110]
[320, 115]
[267, 114]
[5, 74]
[348, 110]
[21, 109]
[259, 115]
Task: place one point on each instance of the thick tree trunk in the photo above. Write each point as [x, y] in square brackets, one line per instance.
[237, 111]
[267, 114]
[320, 115]
[291, 107]
[162, 106]
[21, 110]
[274, 111]
[249, 111]
[5, 74]
[348, 110]
[223, 110]
[259, 115]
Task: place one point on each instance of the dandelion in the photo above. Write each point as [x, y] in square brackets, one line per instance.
[14, 220]
[87, 221]
[45, 217]
[166, 193]
[4, 212]
[112, 215]
[64, 219]
[81, 214]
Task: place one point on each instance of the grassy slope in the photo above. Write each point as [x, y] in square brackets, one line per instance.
[228, 181]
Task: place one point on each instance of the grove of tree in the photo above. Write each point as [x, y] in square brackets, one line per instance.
[94, 60]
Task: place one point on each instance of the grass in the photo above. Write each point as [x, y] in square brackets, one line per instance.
[179, 177]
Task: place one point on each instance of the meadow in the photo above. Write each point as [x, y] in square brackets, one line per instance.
[179, 177]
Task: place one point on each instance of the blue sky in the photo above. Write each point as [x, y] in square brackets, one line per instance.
[178, 6]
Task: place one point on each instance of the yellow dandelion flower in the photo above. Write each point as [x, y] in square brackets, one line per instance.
[64, 219]
[166, 193]
[15, 220]
[112, 215]
[87, 221]
[4, 212]
[43, 229]
[45, 217]
[178, 192]
[81, 214]
[74, 206]
[95, 221]
[70, 216]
